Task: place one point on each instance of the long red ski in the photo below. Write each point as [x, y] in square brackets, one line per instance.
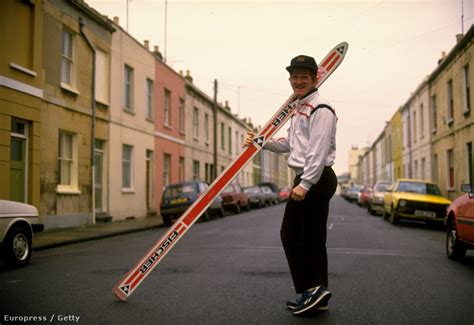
[150, 260]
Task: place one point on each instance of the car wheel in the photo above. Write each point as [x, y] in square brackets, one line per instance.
[454, 249]
[221, 213]
[393, 217]
[206, 216]
[167, 221]
[17, 246]
[237, 208]
[369, 209]
[385, 214]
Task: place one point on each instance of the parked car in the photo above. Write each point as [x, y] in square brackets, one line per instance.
[352, 193]
[180, 196]
[460, 224]
[375, 204]
[18, 222]
[415, 199]
[363, 197]
[234, 198]
[270, 197]
[256, 196]
[271, 185]
[284, 194]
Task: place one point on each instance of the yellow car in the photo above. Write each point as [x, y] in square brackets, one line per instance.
[414, 199]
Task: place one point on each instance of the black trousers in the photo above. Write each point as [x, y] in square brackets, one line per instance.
[303, 233]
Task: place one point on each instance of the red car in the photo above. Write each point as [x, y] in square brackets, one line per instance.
[364, 195]
[234, 198]
[460, 224]
[284, 194]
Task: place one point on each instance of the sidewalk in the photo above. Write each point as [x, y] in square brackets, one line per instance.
[66, 236]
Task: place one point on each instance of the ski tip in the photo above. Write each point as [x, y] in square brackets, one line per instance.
[119, 294]
[342, 48]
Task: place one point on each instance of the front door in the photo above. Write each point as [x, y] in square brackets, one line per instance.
[18, 161]
[99, 174]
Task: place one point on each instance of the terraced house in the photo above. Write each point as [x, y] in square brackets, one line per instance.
[75, 113]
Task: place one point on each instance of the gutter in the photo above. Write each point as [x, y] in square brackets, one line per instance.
[82, 24]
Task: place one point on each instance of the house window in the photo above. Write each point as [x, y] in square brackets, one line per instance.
[470, 164]
[466, 89]
[167, 108]
[102, 77]
[67, 58]
[423, 167]
[149, 99]
[181, 169]
[434, 114]
[450, 102]
[450, 165]
[196, 123]
[229, 136]
[128, 88]
[127, 163]
[435, 169]
[181, 116]
[414, 127]
[166, 169]
[422, 122]
[206, 126]
[195, 170]
[67, 160]
[222, 136]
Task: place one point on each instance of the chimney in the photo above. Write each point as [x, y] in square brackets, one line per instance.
[146, 43]
[227, 105]
[116, 21]
[443, 56]
[157, 53]
[181, 73]
[459, 37]
[188, 76]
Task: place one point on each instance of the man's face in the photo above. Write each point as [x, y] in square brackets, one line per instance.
[301, 81]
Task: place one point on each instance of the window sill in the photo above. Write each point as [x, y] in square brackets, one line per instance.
[467, 112]
[151, 120]
[433, 131]
[128, 191]
[102, 102]
[167, 126]
[67, 190]
[450, 121]
[129, 111]
[69, 89]
[23, 69]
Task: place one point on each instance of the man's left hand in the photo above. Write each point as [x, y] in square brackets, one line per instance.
[298, 193]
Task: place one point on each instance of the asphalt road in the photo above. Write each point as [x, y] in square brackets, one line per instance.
[233, 271]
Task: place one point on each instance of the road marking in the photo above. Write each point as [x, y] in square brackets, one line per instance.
[330, 226]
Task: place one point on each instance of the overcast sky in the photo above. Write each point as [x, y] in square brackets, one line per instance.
[246, 45]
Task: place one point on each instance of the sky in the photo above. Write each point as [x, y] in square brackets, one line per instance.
[246, 45]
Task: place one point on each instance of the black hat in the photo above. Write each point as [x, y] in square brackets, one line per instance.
[303, 61]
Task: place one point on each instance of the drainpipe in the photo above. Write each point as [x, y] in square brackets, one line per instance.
[82, 24]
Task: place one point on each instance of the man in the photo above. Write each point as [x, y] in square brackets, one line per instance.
[311, 143]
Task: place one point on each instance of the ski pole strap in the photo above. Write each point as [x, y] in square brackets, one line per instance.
[323, 106]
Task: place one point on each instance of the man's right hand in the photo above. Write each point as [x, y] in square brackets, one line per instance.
[248, 140]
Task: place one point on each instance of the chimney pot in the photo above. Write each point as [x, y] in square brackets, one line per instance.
[459, 37]
[188, 76]
[146, 43]
[116, 20]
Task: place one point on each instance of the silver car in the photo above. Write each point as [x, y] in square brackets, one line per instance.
[18, 222]
[376, 198]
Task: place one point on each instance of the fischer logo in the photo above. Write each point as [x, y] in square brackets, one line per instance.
[283, 114]
[152, 259]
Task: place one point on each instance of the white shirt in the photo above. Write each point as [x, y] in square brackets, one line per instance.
[311, 139]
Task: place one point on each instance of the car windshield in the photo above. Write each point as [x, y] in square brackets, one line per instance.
[251, 190]
[175, 190]
[420, 188]
[229, 189]
[382, 187]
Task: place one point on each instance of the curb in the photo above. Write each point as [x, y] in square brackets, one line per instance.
[91, 238]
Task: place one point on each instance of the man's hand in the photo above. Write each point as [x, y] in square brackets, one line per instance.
[298, 193]
[248, 140]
